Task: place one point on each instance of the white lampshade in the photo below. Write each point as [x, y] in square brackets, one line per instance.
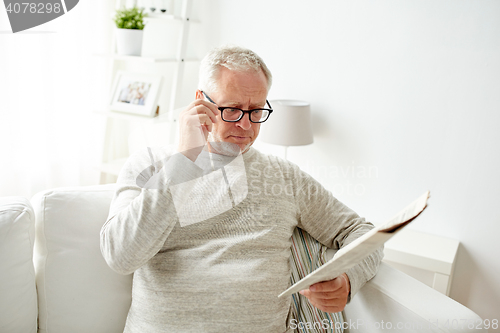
[289, 124]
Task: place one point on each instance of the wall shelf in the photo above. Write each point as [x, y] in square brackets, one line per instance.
[130, 117]
[151, 59]
[137, 58]
[121, 128]
[168, 17]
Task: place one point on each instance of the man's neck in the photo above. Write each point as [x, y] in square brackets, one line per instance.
[225, 148]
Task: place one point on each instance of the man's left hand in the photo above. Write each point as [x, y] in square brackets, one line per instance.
[329, 296]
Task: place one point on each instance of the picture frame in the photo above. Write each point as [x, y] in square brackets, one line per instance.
[135, 93]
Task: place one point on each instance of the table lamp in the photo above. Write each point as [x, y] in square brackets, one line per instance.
[289, 124]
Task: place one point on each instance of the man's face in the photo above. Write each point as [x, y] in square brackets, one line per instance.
[245, 91]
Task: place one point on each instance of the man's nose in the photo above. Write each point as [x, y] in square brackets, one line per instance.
[245, 122]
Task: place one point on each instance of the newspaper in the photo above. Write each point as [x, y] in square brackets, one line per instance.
[361, 248]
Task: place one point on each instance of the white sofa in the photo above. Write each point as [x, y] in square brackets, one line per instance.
[53, 278]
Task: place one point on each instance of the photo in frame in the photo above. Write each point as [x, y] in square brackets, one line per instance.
[135, 93]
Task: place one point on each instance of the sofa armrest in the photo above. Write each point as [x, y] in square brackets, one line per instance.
[394, 299]
[18, 300]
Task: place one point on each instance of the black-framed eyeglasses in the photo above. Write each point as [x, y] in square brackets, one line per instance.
[233, 115]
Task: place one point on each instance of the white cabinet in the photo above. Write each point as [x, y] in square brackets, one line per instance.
[121, 129]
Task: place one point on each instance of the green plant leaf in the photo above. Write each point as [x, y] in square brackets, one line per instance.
[130, 18]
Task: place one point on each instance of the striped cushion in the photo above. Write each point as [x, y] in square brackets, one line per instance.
[307, 255]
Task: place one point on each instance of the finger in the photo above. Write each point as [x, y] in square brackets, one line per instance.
[197, 102]
[202, 109]
[305, 292]
[328, 305]
[324, 296]
[329, 308]
[324, 302]
[327, 286]
[206, 121]
[214, 112]
[198, 119]
[202, 106]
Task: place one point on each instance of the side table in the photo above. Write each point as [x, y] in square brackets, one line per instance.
[428, 258]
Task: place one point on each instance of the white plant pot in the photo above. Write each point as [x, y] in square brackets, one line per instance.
[129, 41]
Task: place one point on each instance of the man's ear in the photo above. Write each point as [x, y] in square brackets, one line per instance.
[199, 94]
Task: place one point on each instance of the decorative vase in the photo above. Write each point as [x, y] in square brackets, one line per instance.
[129, 41]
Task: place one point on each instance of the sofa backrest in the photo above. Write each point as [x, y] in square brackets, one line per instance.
[18, 306]
[77, 291]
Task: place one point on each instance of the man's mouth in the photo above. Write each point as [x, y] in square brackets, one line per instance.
[239, 138]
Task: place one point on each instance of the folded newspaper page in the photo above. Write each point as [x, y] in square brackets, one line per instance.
[361, 248]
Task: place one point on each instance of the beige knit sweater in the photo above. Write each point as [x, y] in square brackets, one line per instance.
[209, 242]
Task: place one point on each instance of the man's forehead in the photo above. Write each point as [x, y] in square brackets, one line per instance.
[242, 89]
[250, 103]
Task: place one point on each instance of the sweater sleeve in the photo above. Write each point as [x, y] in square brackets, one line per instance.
[142, 213]
[333, 224]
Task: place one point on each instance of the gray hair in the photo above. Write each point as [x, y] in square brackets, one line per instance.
[234, 58]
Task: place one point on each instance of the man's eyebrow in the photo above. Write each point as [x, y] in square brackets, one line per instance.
[238, 105]
[235, 104]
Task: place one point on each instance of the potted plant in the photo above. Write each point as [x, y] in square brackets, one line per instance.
[130, 25]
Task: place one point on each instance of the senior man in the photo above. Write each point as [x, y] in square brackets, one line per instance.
[205, 227]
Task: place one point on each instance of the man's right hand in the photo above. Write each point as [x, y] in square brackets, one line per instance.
[195, 122]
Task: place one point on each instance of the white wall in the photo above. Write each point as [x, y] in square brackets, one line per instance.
[405, 97]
